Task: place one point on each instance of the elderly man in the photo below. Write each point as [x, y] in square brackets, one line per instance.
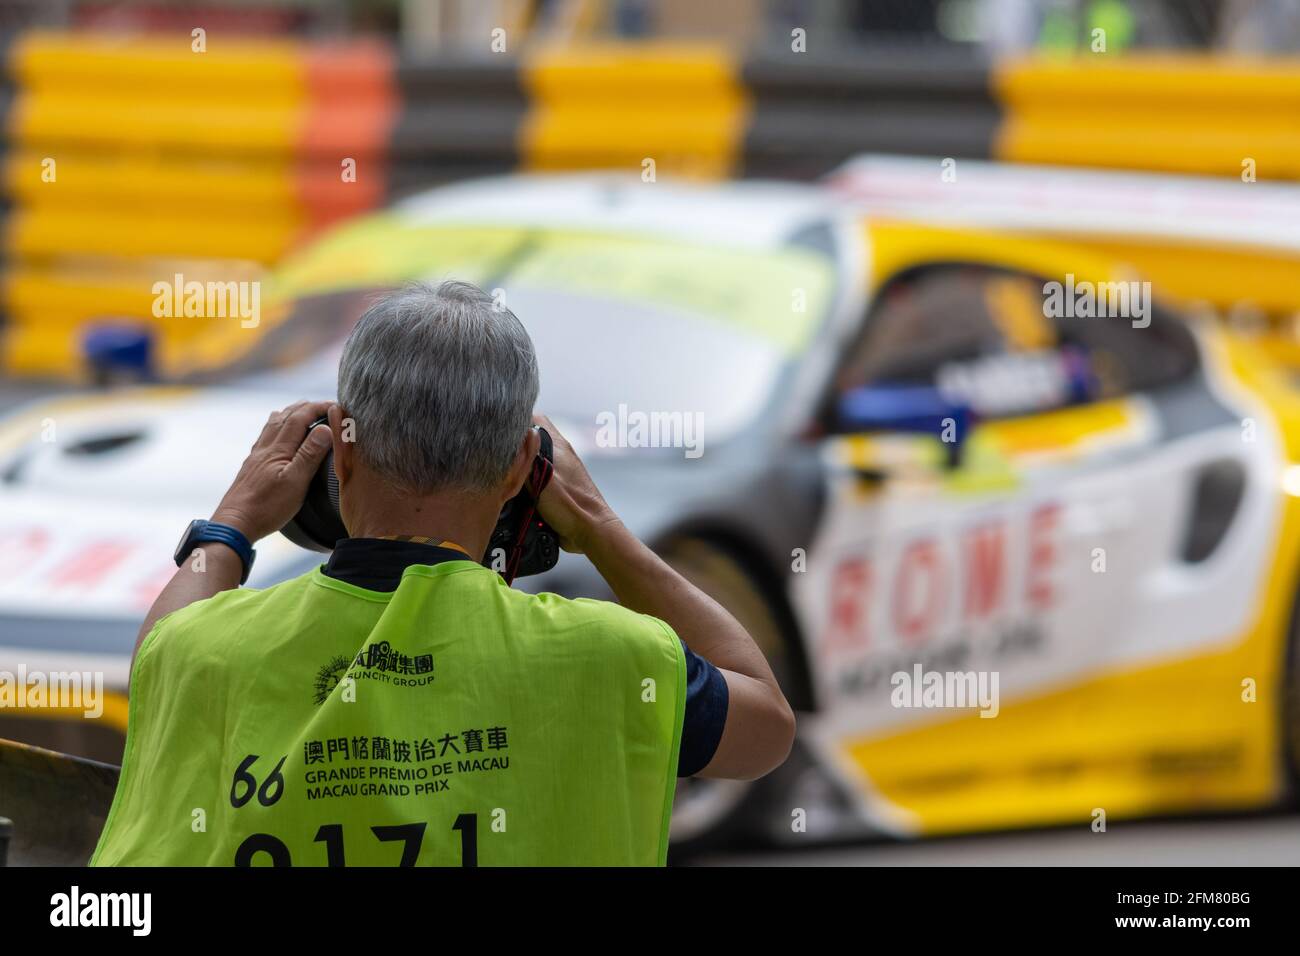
[401, 704]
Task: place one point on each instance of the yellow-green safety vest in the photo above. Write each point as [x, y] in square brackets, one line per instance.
[453, 722]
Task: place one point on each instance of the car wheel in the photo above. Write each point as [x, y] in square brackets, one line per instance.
[709, 813]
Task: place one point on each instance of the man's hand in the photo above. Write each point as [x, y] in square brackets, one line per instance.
[267, 492]
[273, 481]
[571, 503]
[760, 725]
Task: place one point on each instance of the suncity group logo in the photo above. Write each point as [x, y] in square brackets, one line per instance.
[328, 677]
[378, 662]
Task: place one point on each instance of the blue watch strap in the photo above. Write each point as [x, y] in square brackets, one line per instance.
[231, 537]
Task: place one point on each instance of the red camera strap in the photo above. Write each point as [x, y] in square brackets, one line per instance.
[538, 479]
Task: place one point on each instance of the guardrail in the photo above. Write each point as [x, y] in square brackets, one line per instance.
[129, 160]
[57, 804]
[1182, 114]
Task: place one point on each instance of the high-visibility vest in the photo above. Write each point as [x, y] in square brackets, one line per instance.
[453, 722]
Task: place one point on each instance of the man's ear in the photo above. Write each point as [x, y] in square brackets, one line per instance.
[342, 428]
[529, 445]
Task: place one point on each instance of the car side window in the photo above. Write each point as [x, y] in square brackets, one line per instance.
[991, 339]
[1145, 350]
[919, 323]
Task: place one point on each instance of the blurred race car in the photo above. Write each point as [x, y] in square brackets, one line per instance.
[1020, 543]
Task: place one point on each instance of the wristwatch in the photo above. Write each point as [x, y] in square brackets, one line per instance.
[201, 531]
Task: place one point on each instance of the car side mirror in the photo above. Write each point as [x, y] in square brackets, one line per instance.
[913, 409]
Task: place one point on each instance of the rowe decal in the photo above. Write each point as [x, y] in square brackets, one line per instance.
[928, 586]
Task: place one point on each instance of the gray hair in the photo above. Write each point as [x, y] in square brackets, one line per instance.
[441, 383]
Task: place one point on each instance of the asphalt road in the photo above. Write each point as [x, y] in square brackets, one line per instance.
[1261, 840]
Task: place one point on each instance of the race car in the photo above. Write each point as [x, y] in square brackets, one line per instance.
[1019, 541]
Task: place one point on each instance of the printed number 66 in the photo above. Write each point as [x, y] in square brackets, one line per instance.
[264, 796]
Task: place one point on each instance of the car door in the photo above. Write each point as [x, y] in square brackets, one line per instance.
[965, 578]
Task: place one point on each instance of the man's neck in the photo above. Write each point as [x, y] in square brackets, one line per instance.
[449, 516]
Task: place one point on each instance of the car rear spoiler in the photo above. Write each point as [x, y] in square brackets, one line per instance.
[56, 805]
[1074, 201]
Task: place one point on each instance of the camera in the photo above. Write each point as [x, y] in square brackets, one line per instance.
[521, 544]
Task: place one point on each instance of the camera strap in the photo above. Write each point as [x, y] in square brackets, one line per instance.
[538, 479]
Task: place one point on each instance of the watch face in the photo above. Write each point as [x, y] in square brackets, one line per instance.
[182, 552]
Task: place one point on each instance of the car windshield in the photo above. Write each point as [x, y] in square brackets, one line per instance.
[642, 325]
[670, 360]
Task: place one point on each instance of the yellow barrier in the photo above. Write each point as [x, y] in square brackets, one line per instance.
[1187, 114]
[127, 154]
[682, 106]
[134, 159]
[49, 306]
[226, 69]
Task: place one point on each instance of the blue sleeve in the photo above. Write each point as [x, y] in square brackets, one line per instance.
[706, 714]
